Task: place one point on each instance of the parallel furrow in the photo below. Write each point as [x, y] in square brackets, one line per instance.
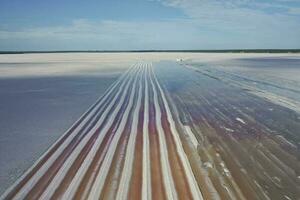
[59, 170]
[188, 170]
[126, 146]
[102, 174]
[76, 181]
[146, 179]
[157, 182]
[29, 180]
[56, 181]
[129, 156]
[116, 166]
[165, 165]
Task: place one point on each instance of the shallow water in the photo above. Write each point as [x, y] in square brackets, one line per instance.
[255, 136]
[34, 112]
[236, 108]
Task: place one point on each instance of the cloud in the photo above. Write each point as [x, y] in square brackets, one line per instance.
[261, 20]
[294, 11]
[106, 34]
[238, 11]
[209, 24]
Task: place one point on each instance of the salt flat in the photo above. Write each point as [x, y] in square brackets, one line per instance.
[55, 64]
[241, 111]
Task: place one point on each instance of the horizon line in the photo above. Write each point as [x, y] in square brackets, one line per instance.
[162, 51]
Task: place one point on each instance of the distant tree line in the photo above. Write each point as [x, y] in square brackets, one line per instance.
[175, 51]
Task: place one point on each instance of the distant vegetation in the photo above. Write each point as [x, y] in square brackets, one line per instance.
[177, 51]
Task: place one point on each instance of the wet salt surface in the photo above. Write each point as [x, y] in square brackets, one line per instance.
[216, 89]
[55, 103]
[238, 125]
[34, 112]
[287, 68]
[275, 78]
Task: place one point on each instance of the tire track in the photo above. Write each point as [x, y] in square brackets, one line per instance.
[126, 146]
[177, 170]
[115, 171]
[35, 173]
[157, 183]
[169, 184]
[184, 160]
[79, 172]
[109, 126]
[64, 162]
[102, 174]
[146, 179]
[122, 192]
[56, 181]
[136, 186]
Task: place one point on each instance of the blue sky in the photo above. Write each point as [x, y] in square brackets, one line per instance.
[148, 24]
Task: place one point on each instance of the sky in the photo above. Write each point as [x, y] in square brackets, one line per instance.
[41, 25]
